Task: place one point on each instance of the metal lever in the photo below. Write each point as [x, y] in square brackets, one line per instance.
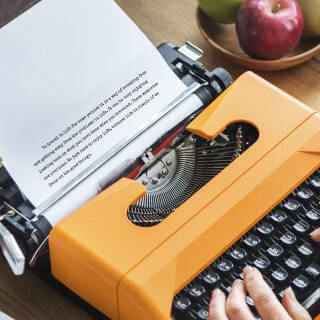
[191, 51]
[11, 251]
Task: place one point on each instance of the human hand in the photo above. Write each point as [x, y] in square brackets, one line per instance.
[269, 307]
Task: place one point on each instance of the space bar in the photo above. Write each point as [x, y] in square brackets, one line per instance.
[312, 302]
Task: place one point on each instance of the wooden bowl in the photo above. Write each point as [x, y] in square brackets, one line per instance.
[224, 38]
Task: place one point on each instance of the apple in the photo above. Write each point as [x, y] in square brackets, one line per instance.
[311, 16]
[269, 29]
[223, 11]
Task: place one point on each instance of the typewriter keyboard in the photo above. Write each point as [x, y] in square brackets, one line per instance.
[279, 246]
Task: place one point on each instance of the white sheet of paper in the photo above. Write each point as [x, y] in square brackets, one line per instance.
[76, 77]
[91, 186]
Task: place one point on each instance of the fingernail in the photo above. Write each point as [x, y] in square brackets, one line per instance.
[216, 293]
[314, 233]
[247, 270]
[290, 294]
[237, 282]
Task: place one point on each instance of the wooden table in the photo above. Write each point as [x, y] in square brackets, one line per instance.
[29, 298]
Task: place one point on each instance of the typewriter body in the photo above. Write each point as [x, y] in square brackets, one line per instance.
[236, 183]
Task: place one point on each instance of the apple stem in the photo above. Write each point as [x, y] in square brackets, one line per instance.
[276, 7]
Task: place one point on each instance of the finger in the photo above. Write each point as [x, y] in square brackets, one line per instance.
[293, 307]
[236, 306]
[264, 299]
[217, 307]
[315, 235]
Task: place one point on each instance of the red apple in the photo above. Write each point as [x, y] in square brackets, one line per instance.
[269, 29]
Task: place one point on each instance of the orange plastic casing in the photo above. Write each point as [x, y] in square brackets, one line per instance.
[131, 272]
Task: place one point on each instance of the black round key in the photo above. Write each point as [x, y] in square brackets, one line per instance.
[292, 205]
[196, 290]
[203, 313]
[280, 274]
[181, 303]
[278, 216]
[305, 194]
[238, 253]
[315, 182]
[224, 265]
[262, 262]
[313, 215]
[301, 282]
[275, 250]
[293, 262]
[265, 228]
[288, 238]
[210, 277]
[313, 270]
[252, 240]
[306, 249]
[301, 226]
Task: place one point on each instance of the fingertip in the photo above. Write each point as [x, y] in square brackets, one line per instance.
[237, 282]
[251, 272]
[247, 270]
[288, 295]
[315, 235]
[293, 307]
[216, 293]
[289, 292]
[217, 305]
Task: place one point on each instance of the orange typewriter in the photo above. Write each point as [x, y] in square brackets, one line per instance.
[238, 185]
[235, 183]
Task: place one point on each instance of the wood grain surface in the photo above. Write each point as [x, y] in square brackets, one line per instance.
[28, 297]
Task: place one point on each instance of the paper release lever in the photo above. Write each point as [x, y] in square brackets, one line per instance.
[11, 251]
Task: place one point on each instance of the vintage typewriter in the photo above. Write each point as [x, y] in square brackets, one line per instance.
[236, 183]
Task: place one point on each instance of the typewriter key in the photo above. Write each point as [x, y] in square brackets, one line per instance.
[210, 277]
[181, 303]
[265, 228]
[203, 313]
[306, 249]
[315, 182]
[288, 238]
[275, 250]
[252, 240]
[301, 282]
[196, 290]
[301, 226]
[305, 194]
[238, 253]
[262, 262]
[292, 205]
[293, 262]
[278, 216]
[313, 215]
[313, 270]
[280, 274]
[224, 265]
